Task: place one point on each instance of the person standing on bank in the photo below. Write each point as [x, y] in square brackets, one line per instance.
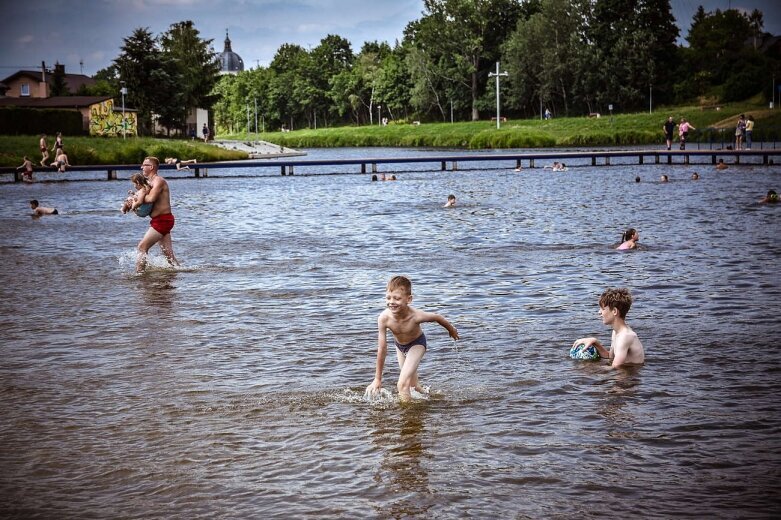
[44, 149]
[162, 219]
[205, 132]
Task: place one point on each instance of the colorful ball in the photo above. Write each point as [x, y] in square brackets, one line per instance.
[581, 351]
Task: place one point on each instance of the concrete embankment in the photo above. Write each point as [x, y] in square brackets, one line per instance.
[259, 149]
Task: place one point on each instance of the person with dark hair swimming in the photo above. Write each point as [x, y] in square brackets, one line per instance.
[39, 210]
[629, 239]
[770, 198]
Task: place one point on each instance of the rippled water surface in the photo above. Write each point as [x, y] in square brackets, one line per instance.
[232, 387]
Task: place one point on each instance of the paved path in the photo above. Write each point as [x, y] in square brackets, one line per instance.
[259, 149]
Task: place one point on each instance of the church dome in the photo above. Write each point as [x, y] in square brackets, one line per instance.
[231, 63]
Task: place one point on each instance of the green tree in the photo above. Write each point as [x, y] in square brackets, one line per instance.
[462, 39]
[332, 56]
[193, 64]
[140, 56]
[58, 85]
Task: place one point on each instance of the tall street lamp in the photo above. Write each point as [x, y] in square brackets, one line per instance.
[123, 91]
[496, 75]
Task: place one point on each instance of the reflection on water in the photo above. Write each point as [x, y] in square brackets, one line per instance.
[233, 386]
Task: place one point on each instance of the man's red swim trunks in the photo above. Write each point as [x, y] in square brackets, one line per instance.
[163, 224]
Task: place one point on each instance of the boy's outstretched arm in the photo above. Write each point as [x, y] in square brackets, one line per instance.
[382, 349]
[432, 317]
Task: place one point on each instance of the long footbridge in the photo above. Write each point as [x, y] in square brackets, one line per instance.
[444, 162]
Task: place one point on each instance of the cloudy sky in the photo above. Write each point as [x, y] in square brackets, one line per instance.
[91, 32]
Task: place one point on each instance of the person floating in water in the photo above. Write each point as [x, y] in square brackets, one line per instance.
[135, 199]
[162, 219]
[770, 198]
[629, 239]
[39, 210]
[721, 165]
[625, 346]
[695, 176]
[664, 178]
[404, 323]
[27, 175]
[451, 201]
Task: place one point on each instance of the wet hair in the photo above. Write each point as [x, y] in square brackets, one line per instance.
[34, 202]
[137, 178]
[400, 282]
[629, 233]
[619, 299]
[451, 197]
[637, 179]
[772, 196]
[374, 177]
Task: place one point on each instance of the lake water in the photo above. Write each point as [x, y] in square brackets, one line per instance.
[232, 387]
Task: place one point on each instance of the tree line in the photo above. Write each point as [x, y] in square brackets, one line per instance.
[572, 57]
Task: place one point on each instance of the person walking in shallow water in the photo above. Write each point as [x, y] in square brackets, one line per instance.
[162, 219]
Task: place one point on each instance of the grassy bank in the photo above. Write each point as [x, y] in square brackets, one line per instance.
[101, 150]
[620, 129]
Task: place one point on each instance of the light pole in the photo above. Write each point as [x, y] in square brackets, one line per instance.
[379, 113]
[256, 115]
[123, 91]
[496, 75]
[650, 99]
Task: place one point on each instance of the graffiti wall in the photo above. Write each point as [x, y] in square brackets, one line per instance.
[107, 122]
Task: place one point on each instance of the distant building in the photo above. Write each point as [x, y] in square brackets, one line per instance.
[230, 61]
[37, 83]
[98, 114]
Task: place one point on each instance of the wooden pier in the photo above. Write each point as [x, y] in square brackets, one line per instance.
[446, 162]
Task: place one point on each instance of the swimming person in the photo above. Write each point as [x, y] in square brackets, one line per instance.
[625, 346]
[39, 210]
[135, 199]
[721, 165]
[770, 198]
[404, 323]
[451, 201]
[629, 239]
[162, 219]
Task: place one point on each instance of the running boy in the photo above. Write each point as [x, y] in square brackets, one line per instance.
[625, 346]
[404, 323]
